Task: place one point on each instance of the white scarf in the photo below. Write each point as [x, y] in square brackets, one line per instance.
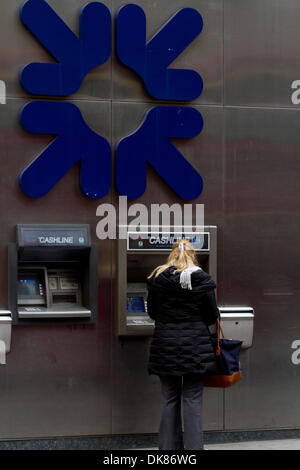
[185, 277]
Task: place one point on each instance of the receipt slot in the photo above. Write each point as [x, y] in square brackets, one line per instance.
[138, 255]
[53, 274]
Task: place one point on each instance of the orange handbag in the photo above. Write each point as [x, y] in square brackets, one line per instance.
[227, 361]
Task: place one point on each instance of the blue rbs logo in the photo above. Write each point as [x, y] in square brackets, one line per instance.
[75, 141]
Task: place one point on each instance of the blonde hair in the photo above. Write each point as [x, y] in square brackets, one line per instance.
[182, 256]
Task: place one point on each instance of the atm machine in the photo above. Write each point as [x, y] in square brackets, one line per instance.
[53, 275]
[138, 255]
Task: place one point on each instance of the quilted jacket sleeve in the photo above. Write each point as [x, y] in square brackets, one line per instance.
[211, 308]
[151, 304]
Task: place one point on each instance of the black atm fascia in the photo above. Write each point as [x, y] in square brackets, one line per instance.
[39, 262]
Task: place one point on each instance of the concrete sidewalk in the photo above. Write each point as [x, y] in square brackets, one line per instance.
[279, 444]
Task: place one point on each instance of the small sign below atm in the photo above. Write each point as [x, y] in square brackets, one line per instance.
[164, 241]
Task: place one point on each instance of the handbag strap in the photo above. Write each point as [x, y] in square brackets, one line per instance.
[218, 349]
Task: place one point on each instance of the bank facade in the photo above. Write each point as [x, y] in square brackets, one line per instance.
[228, 138]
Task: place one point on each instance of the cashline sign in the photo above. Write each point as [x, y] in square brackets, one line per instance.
[50, 237]
[164, 241]
[73, 139]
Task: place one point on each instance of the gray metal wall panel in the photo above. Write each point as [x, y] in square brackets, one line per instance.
[204, 152]
[19, 48]
[79, 380]
[261, 261]
[261, 51]
[204, 54]
[136, 398]
[57, 381]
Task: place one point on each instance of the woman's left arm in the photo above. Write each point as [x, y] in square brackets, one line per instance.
[212, 310]
[151, 304]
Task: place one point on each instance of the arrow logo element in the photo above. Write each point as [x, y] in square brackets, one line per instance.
[151, 61]
[75, 142]
[76, 56]
[150, 143]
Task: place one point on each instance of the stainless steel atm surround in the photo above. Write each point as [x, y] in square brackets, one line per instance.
[53, 274]
[136, 261]
[5, 334]
[237, 323]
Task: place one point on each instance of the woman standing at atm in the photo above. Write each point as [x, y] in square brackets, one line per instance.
[181, 300]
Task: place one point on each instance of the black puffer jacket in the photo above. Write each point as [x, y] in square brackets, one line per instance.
[181, 342]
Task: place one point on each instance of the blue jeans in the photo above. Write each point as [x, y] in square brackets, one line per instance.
[190, 388]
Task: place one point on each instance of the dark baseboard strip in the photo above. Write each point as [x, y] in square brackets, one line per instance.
[140, 441]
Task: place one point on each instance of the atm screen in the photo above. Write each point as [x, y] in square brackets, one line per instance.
[28, 288]
[135, 304]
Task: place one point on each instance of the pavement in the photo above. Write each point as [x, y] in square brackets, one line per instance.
[280, 444]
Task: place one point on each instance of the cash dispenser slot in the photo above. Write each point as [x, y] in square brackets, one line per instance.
[53, 274]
